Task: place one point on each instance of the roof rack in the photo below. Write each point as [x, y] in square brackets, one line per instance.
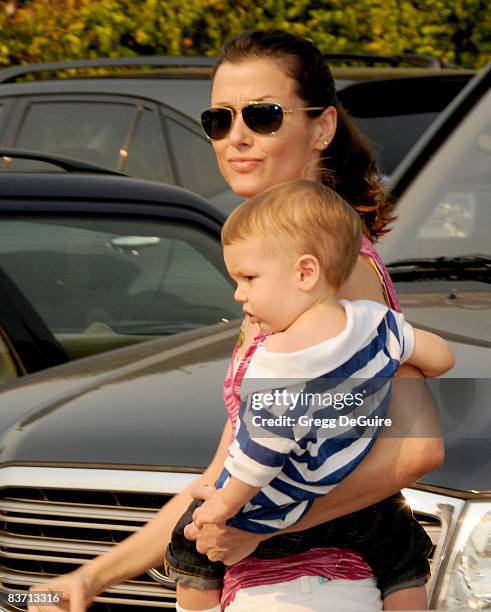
[12, 73]
[70, 164]
[413, 59]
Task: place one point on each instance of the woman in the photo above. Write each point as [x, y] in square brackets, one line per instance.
[275, 117]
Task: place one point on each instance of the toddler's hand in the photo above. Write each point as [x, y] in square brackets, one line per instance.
[213, 510]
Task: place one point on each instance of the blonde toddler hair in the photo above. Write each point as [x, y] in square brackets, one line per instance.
[302, 217]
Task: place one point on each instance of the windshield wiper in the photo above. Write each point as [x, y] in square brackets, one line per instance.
[464, 267]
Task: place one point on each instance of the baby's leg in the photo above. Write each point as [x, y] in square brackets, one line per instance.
[396, 547]
[189, 598]
[413, 598]
[198, 580]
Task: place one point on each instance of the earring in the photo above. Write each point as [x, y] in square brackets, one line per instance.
[324, 144]
[273, 133]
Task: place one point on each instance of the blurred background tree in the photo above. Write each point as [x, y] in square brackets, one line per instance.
[455, 31]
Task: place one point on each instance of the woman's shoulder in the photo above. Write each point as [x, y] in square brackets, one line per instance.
[363, 284]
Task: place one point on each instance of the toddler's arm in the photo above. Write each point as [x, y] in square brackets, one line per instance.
[252, 464]
[432, 354]
[224, 503]
[255, 458]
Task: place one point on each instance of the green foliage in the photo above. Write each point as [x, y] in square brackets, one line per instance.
[456, 31]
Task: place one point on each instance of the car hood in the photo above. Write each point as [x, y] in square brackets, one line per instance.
[159, 406]
[460, 311]
[155, 405]
[464, 393]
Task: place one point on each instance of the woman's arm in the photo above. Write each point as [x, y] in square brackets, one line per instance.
[140, 551]
[146, 548]
[373, 470]
[392, 464]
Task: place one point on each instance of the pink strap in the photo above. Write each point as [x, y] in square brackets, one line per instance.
[368, 249]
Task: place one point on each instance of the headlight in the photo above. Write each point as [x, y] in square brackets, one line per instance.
[467, 584]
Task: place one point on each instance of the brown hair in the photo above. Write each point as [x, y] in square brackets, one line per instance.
[306, 217]
[349, 164]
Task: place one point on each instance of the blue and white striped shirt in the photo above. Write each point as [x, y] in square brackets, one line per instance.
[296, 438]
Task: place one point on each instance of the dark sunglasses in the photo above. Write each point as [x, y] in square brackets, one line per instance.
[260, 117]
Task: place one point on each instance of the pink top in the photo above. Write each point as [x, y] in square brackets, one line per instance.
[329, 563]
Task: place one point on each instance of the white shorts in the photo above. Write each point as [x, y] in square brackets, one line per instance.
[309, 594]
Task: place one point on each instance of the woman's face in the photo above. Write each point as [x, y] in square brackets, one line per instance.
[250, 162]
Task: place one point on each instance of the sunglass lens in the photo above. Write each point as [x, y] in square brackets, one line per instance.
[216, 122]
[263, 118]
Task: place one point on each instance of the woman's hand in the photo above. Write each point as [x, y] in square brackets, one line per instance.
[223, 543]
[220, 542]
[76, 593]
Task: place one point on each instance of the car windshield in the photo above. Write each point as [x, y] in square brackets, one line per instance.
[105, 282]
[447, 210]
[441, 243]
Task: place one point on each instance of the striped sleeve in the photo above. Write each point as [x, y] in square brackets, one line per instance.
[407, 347]
[257, 462]
[400, 338]
[261, 446]
[405, 336]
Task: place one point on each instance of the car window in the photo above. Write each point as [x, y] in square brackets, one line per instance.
[92, 131]
[394, 112]
[104, 283]
[147, 157]
[381, 131]
[195, 161]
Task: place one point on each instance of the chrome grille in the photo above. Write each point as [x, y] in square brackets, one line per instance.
[49, 531]
[46, 532]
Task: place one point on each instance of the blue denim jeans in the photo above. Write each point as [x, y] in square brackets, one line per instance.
[386, 535]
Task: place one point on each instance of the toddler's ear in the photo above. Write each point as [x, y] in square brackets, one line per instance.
[308, 271]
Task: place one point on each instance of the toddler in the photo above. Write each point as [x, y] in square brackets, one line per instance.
[317, 388]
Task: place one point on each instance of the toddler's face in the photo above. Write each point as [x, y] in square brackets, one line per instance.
[266, 280]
